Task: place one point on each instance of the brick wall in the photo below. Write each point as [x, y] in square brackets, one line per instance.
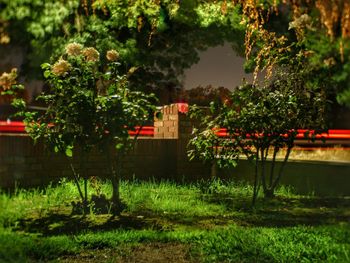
[162, 156]
[166, 125]
[26, 164]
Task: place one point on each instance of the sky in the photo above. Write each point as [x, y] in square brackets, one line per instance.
[218, 66]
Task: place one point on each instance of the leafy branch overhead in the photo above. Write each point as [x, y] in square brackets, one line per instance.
[160, 38]
[312, 33]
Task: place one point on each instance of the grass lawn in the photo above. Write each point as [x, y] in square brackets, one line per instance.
[168, 222]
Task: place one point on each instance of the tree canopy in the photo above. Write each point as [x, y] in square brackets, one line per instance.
[161, 38]
[314, 36]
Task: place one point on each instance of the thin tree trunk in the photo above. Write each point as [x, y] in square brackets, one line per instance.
[213, 165]
[76, 180]
[256, 189]
[213, 170]
[116, 204]
[275, 151]
[85, 196]
[114, 173]
[263, 161]
[281, 169]
[83, 160]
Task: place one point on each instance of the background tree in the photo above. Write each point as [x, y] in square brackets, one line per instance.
[159, 38]
[162, 38]
[317, 32]
[203, 96]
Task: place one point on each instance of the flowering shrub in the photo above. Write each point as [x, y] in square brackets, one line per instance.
[89, 105]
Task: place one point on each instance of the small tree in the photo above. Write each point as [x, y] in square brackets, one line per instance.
[89, 105]
[260, 121]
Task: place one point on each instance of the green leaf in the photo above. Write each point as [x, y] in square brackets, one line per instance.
[45, 66]
[119, 146]
[69, 152]
[47, 73]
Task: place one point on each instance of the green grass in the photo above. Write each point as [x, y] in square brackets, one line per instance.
[213, 219]
[234, 243]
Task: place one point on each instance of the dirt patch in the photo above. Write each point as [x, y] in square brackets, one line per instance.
[142, 253]
[159, 253]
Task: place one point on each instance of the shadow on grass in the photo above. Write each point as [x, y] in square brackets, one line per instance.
[278, 212]
[58, 224]
[286, 212]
